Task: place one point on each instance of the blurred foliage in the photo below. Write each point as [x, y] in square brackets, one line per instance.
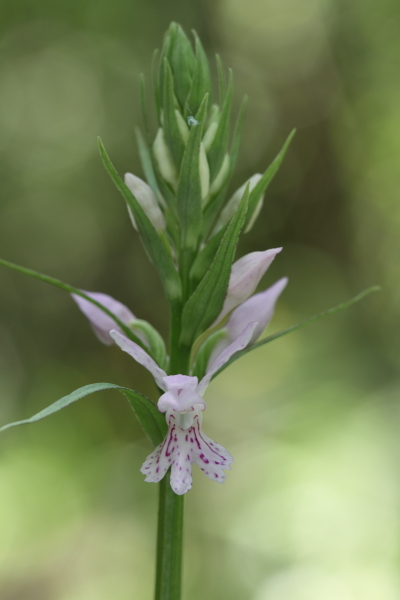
[310, 510]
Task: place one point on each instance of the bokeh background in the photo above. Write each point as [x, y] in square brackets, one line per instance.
[311, 508]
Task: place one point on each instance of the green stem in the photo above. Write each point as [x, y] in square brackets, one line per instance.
[169, 543]
[170, 509]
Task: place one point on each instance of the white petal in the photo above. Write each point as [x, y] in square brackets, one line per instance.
[140, 356]
[239, 344]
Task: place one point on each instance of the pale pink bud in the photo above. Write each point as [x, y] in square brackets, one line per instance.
[99, 320]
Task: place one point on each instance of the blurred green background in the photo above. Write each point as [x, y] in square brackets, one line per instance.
[310, 510]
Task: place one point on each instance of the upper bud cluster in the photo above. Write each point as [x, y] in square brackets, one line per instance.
[189, 230]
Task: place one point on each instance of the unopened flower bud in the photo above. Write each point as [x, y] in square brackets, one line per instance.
[99, 320]
[164, 159]
[147, 200]
[233, 204]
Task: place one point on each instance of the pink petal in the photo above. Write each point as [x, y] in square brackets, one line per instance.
[245, 276]
[239, 344]
[140, 356]
[180, 449]
[100, 321]
[259, 307]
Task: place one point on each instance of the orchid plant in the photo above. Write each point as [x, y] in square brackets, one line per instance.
[190, 233]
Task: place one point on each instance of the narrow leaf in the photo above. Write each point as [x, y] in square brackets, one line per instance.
[266, 179]
[150, 238]
[206, 255]
[172, 134]
[205, 304]
[147, 165]
[293, 328]
[72, 290]
[146, 411]
[204, 353]
[189, 186]
[201, 82]
[182, 61]
[219, 144]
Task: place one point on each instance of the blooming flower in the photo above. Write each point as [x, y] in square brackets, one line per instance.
[183, 403]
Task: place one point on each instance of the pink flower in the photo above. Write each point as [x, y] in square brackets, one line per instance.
[183, 403]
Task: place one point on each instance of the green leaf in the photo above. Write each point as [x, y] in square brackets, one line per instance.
[218, 148]
[72, 290]
[150, 238]
[205, 257]
[201, 82]
[204, 353]
[323, 315]
[206, 302]
[146, 411]
[172, 134]
[156, 342]
[189, 185]
[260, 188]
[147, 165]
[182, 62]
